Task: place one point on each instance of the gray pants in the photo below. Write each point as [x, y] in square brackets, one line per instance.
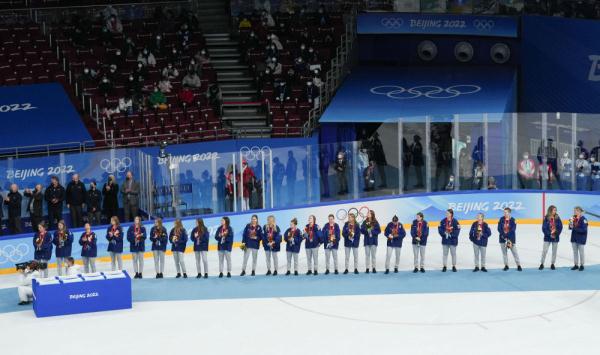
[419, 250]
[479, 252]
[388, 256]
[272, 255]
[138, 262]
[89, 264]
[94, 218]
[452, 249]
[578, 253]
[247, 253]
[60, 265]
[355, 253]
[370, 256]
[514, 252]
[224, 255]
[545, 251]
[116, 258]
[159, 261]
[201, 260]
[43, 273]
[179, 262]
[291, 256]
[25, 293]
[312, 259]
[328, 253]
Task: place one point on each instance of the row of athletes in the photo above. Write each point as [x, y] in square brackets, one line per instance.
[313, 236]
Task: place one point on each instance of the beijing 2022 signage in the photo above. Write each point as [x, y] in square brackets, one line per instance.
[438, 24]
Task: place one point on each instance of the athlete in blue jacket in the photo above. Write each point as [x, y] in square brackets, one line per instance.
[63, 240]
[479, 234]
[419, 231]
[200, 237]
[114, 235]
[89, 251]
[312, 237]
[370, 229]
[552, 227]
[395, 233]
[136, 236]
[351, 234]
[251, 243]
[449, 229]
[271, 241]
[331, 241]
[578, 225]
[293, 240]
[178, 238]
[224, 238]
[42, 244]
[506, 228]
[159, 239]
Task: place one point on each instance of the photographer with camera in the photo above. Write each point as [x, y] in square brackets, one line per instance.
[42, 242]
[28, 271]
[71, 268]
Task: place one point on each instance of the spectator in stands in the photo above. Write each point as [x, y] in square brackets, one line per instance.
[245, 23]
[416, 150]
[112, 74]
[274, 66]
[157, 47]
[110, 193]
[317, 79]
[313, 57]
[130, 191]
[34, 205]
[250, 42]
[274, 40]
[146, 57]
[300, 66]
[174, 57]
[195, 67]
[76, 196]
[580, 149]
[126, 105]
[54, 196]
[129, 49]
[116, 59]
[369, 177]
[215, 98]
[164, 85]
[478, 174]
[170, 72]
[340, 167]
[311, 94]
[202, 57]
[108, 12]
[267, 19]
[526, 171]
[186, 96]
[157, 99]
[184, 36]
[282, 91]
[13, 204]
[248, 179]
[322, 18]
[264, 78]
[87, 79]
[191, 20]
[290, 77]
[305, 38]
[191, 80]
[93, 202]
[105, 86]
[271, 52]
[114, 25]
[491, 185]
[141, 72]
[133, 87]
[302, 52]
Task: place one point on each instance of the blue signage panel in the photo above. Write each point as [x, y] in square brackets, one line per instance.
[438, 24]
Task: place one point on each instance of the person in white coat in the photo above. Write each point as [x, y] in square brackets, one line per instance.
[71, 267]
[24, 289]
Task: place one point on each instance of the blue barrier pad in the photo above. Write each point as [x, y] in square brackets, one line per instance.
[82, 294]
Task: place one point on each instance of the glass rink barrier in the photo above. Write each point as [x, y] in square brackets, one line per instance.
[507, 151]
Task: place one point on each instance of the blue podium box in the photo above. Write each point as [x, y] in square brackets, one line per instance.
[96, 294]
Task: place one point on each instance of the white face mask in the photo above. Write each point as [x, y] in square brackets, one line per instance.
[581, 156]
[525, 157]
[566, 154]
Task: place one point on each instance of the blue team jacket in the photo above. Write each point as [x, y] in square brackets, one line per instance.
[88, 248]
[276, 239]
[252, 242]
[394, 242]
[159, 238]
[140, 246]
[44, 250]
[224, 242]
[293, 241]
[486, 232]
[115, 242]
[511, 235]
[372, 237]
[579, 231]
[316, 236]
[547, 229]
[179, 244]
[355, 242]
[424, 232]
[200, 239]
[67, 245]
[452, 239]
[328, 243]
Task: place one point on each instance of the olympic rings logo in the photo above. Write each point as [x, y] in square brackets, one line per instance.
[360, 213]
[254, 152]
[483, 25]
[13, 254]
[392, 22]
[430, 91]
[115, 165]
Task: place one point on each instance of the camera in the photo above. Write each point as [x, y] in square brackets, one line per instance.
[32, 265]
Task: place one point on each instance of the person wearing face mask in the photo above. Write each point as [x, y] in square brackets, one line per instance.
[595, 173]
[545, 173]
[194, 67]
[105, 86]
[129, 49]
[340, 166]
[282, 91]
[117, 59]
[94, 204]
[146, 57]
[312, 94]
[596, 152]
[140, 73]
[271, 51]
[170, 72]
[275, 40]
[275, 66]
[174, 57]
[300, 66]
[583, 170]
[34, 205]
[566, 171]
[112, 74]
[164, 85]
[264, 78]
[126, 105]
[114, 25]
[202, 57]
[191, 80]
[322, 18]
[313, 57]
[579, 149]
[250, 42]
[526, 171]
[157, 47]
[86, 79]
[157, 99]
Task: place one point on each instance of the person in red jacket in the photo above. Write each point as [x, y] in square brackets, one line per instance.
[248, 178]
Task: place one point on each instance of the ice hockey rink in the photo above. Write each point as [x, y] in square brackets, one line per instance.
[533, 312]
